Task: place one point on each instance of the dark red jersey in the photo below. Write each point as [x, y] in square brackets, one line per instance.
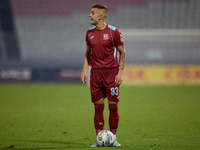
[103, 45]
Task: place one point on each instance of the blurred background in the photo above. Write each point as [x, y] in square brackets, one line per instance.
[44, 40]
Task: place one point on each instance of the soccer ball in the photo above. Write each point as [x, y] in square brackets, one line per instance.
[105, 138]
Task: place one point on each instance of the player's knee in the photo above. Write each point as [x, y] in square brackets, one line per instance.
[99, 108]
[112, 102]
[113, 108]
[114, 115]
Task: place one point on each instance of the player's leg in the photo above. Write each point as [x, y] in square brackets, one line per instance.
[113, 116]
[99, 116]
[114, 120]
[97, 97]
[112, 93]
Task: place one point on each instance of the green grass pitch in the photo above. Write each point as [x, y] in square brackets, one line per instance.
[60, 116]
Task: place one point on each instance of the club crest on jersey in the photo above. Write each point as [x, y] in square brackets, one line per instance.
[105, 37]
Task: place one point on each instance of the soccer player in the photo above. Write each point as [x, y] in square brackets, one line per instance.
[103, 42]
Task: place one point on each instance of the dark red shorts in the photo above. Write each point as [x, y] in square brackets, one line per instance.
[102, 84]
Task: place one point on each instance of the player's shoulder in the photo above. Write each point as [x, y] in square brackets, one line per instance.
[92, 28]
[111, 27]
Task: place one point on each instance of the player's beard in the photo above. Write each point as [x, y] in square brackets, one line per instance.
[93, 22]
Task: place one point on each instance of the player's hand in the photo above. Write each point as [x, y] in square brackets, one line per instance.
[118, 78]
[84, 77]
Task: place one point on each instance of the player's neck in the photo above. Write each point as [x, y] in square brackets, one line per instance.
[101, 26]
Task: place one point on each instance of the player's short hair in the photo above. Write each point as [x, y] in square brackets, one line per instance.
[100, 6]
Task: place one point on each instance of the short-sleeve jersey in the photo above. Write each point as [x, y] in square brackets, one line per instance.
[103, 45]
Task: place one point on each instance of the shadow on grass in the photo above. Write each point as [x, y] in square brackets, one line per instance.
[68, 145]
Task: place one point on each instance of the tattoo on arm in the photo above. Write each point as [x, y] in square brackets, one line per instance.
[122, 58]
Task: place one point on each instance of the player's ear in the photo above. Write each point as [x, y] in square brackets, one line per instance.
[100, 16]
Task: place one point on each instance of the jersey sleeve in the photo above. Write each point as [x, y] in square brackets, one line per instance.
[86, 39]
[118, 39]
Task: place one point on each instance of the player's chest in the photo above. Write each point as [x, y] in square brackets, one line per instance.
[100, 38]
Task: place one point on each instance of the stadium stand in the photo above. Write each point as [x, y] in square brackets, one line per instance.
[51, 33]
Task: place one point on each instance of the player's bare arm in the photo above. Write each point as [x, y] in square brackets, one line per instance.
[85, 65]
[122, 60]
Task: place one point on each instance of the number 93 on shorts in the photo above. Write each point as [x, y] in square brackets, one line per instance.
[113, 95]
